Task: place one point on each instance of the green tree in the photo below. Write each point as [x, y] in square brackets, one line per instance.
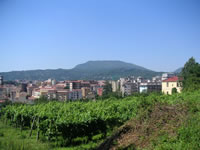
[42, 99]
[174, 90]
[107, 90]
[191, 75]
[67, 87]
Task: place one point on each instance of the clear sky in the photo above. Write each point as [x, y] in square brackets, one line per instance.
[46, 34]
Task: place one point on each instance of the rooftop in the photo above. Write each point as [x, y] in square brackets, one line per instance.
[172, 79]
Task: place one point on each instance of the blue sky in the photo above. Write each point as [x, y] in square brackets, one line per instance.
[46, 34]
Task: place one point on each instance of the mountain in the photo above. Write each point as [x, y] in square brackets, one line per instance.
[91, 70]
[106, 65]
[178, 70]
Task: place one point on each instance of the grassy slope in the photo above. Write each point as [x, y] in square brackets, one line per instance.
[167, 123]
[12, 138]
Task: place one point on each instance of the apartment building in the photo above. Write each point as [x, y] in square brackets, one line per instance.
[129, 88]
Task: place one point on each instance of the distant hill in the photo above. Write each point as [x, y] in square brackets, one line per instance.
[91, 70]
[178, 70]
[106, 65]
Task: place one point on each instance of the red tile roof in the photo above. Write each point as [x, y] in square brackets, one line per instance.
[172, 79]
[2, 101]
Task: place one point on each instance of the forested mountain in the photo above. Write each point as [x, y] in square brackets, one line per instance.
[93, 70]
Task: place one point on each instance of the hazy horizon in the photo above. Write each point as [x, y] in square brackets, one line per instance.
[157, 35]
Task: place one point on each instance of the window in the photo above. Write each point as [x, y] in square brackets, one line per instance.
[167, 84]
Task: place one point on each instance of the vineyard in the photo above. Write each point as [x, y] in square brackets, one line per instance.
[77, 123]
[67, 122]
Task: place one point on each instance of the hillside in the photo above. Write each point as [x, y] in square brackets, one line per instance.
[178, 70]
[160, 121]
[91, 70]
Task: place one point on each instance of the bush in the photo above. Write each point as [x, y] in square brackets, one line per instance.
[1, 134]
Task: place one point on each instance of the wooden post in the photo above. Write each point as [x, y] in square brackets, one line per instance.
[38, 129]
[32, 127]
[21, 123]
[49, 131]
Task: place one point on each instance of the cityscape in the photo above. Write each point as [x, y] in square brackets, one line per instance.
[99, 75]
[29, 91]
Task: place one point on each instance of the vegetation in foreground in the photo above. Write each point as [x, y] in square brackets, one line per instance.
[173, 123]
[12, 138]
[149, 122]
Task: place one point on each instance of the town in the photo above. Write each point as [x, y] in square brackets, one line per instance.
[100, 75]
[29, 91]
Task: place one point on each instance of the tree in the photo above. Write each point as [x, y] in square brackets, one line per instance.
[191, 75]
[107, 90]
[67, 87]
[42, 99]
[174, 90]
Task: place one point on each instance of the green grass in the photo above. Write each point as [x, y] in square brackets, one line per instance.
[188, 138]
[13, 139]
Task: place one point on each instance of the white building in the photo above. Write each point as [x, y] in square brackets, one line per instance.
[115, 85]
[1, 80]
[167, 75]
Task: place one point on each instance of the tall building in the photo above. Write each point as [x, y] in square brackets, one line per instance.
[53, 82]
[1, 93]
[1, 80]
[74, 85]
[129, 88]
[85, 91]
[23, 87]
[115, 86]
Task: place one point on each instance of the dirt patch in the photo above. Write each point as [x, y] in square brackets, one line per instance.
[161, 118]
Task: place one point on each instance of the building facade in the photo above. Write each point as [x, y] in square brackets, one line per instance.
[170, 83]
[1, 80]
[74, 85]
[129, 89]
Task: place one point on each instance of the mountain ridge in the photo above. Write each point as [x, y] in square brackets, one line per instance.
[91, 70]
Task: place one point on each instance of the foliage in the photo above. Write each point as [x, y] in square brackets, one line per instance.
[14, 139]
[42, 99]
[187, 138]
[67, 87]
[191, 75]
[174, 90]
[85, 124]
[107, 90]
[71, 120]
